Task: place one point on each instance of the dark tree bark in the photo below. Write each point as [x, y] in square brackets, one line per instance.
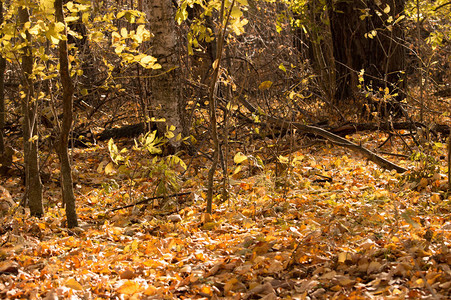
[2, 93]
[381, 56]
[66, 125]
[314, 42]
[33, 184]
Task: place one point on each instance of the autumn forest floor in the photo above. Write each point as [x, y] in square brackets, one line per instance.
[323, 222]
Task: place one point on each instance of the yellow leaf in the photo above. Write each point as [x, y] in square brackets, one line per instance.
[129, 287]
[169, 134]
[135, 245]
[265, 85]
[387, 9]
[115, 37]
[109, 168]
[215, 64]
[73, 284]
[124, 32]
[69, 19]
[59, 27]
[282, 67]
[283, 159]
[101, 165]
[150, 291]
[237, 170]
[239, 158]
[236, 12]
[147, 60]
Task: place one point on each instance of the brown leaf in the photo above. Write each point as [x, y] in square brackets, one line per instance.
[51, 295]
[127, 274]
[262, 289]
[175, 218]
[9, 267]
[373, 267]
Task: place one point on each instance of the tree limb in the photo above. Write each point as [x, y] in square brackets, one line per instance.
[386, 164]
[150, 199]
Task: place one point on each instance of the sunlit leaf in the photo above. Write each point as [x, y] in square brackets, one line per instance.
[265, 85]
[73, 284]
[239, 158]
[129, 287]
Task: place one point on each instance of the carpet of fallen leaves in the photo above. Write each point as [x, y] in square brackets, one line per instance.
[366, 234]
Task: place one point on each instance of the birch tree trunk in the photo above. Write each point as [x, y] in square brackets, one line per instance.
[2, 94]
[165, 83]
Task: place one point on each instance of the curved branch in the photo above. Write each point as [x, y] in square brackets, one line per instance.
[384, 163]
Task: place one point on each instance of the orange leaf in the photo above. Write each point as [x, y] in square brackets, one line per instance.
[73, 284]
[129, 287]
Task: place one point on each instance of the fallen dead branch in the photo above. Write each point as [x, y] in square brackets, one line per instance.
[387, 126]
[384, 163]
[150, 199]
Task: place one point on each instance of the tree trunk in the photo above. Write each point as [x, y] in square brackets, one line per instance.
[166, 84]
[372, 44]
[68, 90]
[314, 42]
[2, 93]
[33, 185]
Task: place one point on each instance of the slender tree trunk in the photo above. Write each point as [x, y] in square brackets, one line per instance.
[2, 93]
[68, 90]
[33, 185]
[449, 161]
[212, 100]
[166, 94]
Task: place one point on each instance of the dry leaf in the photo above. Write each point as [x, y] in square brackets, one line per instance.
[129, 287]
[73, 284]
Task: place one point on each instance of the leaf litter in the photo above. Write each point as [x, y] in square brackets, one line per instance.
[364, 234]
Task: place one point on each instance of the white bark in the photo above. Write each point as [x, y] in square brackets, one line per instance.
[166, 96]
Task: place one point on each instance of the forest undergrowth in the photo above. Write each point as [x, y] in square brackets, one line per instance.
[320, 222]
